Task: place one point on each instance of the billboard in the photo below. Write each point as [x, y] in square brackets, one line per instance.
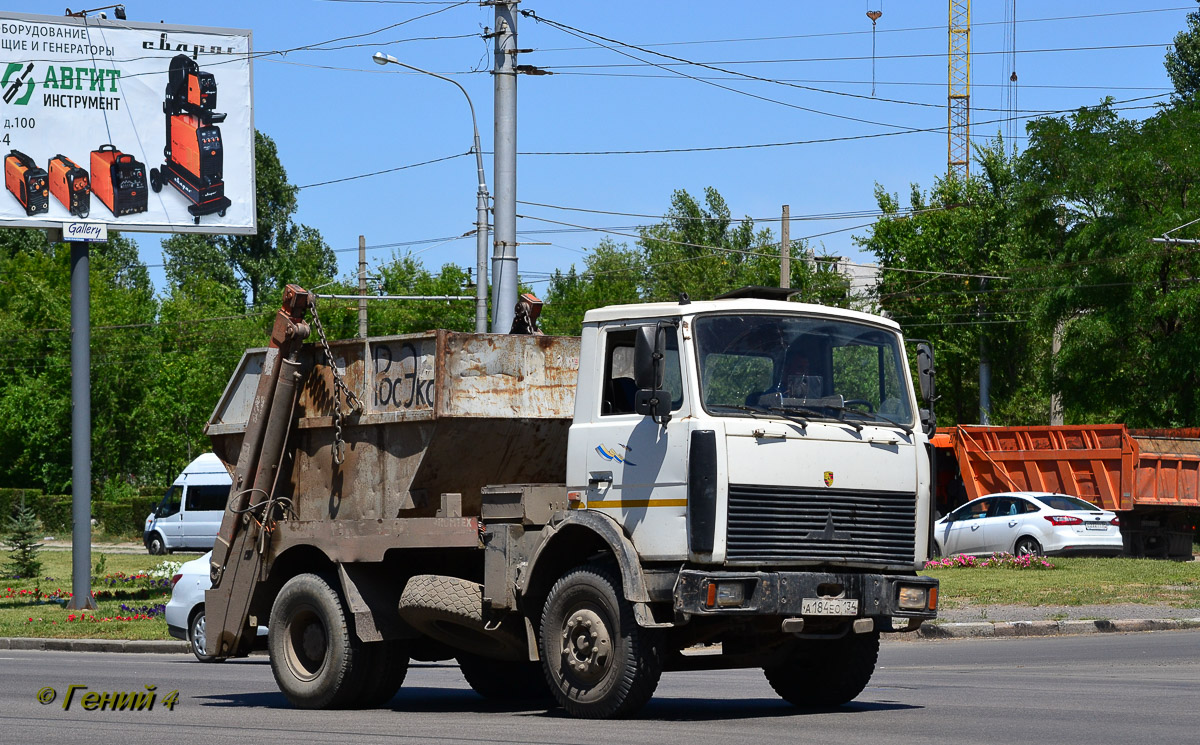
[138, 127]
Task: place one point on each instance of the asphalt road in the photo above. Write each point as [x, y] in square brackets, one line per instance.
[1096, 689]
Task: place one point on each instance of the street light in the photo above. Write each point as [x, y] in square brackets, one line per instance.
[481, 206]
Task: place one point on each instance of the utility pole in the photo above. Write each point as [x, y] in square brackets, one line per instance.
[504, 168]
[362, 287]
[785, 248]
[985, 362]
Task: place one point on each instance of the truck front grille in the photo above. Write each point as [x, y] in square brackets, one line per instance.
[781, 525]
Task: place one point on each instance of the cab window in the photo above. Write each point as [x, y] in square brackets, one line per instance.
[619, 387]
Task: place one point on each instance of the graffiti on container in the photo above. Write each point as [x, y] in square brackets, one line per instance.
[398, 381]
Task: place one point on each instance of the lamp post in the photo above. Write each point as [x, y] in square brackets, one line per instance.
[481, 201]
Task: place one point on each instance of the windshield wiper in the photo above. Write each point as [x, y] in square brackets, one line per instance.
[789, 414]
[873, 415]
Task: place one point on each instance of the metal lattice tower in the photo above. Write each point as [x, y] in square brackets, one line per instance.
[958, 103]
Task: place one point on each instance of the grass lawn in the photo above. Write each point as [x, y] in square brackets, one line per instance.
[130, 595]
[1074, 581]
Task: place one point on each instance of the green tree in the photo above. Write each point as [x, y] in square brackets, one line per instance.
[23, 547]
[1095, 189]
[613, 274]
[948, 276]
[1183, 61]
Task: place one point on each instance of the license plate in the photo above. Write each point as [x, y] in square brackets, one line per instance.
[1096, 526]
[829, 607]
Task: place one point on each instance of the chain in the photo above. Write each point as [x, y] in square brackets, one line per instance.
[340, 391]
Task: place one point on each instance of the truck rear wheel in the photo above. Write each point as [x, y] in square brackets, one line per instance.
[600, 664]
[504, 680]
[825, 674]
[313, 649]
[386, 665]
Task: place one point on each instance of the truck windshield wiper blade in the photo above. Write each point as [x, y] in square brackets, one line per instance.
[759, 410]
[873, 416]
[788, 413]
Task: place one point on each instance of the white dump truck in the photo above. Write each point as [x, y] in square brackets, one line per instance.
[742, 482]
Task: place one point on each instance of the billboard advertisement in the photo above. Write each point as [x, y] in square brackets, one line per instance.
[140, 127]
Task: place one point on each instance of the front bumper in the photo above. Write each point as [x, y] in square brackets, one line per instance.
[782, 594]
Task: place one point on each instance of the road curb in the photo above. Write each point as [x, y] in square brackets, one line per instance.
[974, 630]
[95, 645]
[1051, 628]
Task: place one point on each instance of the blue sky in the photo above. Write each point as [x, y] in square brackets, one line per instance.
[334, 114]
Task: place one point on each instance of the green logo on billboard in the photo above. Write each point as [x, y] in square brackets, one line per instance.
[13, 90]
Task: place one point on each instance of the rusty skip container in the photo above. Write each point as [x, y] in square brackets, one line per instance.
[443, 412]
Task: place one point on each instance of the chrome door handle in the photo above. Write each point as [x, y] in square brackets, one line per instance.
[1012, 523]
[974, 528]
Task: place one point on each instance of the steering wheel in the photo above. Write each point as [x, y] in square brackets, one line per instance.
[860, 402]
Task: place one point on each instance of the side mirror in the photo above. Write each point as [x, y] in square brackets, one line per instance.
[925, 372]
[649, 355]
[649, 351]
[925, 381]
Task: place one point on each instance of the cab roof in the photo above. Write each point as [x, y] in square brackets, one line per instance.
[640, 311]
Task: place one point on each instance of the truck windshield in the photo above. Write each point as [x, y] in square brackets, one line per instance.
[813, 368]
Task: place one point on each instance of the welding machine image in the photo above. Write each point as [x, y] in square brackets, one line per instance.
[27, 182]
[119, 181]
[70, 185]
[195, 158]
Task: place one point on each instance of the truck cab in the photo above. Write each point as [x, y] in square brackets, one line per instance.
[790, 464]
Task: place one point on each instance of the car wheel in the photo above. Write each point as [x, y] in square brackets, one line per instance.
[313, 649]
[824, 673]
[599, 663]
[197, 636]
[1027, 546]
[155, 545]
[504, 680]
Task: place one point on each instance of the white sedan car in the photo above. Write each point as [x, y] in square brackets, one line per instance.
[1024, 523]
[185, 612]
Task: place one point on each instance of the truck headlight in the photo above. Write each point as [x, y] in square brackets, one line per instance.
[913, 598]
[726, 594]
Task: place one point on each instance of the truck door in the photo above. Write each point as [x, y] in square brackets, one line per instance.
[637, 468]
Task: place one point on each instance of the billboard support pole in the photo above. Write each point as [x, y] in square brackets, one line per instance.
[81, 431]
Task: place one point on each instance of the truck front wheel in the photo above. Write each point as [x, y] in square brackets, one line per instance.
[825, 674]
[599, 663]
[313, 649]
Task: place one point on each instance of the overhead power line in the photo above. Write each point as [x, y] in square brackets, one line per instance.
[941, 28]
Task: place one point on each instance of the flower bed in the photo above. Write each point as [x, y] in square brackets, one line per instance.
[995, 561]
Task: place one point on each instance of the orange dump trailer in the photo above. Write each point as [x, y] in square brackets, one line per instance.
[1150, 477]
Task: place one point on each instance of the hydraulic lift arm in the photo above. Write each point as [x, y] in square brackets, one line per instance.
[236, 558]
